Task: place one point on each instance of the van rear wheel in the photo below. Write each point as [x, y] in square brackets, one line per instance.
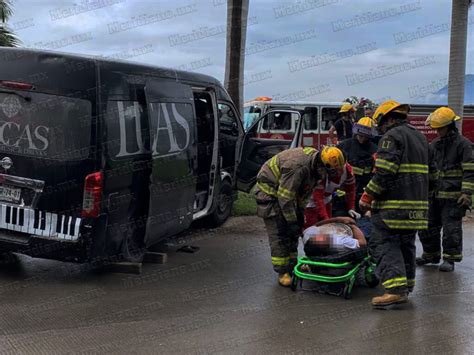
[224, 201]
[133, 246]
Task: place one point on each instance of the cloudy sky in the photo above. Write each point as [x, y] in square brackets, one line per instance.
[322, 50]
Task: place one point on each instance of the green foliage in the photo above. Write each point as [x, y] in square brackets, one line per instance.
[7, 38]
[5, 10]
[245, 205]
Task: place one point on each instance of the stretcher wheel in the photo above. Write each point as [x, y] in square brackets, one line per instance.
[348, 288]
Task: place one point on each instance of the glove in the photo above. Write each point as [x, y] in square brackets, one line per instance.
[465, 200]
[365, 202]
[354, 214]
[294, 230]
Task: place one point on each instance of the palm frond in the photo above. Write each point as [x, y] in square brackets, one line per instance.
[5, 10]
[7, 38]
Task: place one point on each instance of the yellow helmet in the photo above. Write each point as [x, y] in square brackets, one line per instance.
[389, 106]
[365, 121]
[333, 157]
[346, 107]
[363, 127]
[441, 117]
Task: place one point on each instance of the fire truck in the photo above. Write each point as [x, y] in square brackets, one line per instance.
[319, 116]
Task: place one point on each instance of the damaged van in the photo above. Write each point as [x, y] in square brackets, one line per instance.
[103, 158]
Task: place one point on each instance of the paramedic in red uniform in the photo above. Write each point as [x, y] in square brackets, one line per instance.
[340, 177]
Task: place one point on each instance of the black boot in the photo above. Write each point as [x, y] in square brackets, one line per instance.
[447, 266]
[424, 260]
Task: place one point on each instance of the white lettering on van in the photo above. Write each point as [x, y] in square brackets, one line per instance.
[167, 119]
[26, 135]
[131, 112]
[13, 134]
[42, 138]
[168, 127]
[183, 123]
[2, 132]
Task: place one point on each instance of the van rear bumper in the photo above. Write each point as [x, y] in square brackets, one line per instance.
[83, 249]
[40, 248]
[39, 223]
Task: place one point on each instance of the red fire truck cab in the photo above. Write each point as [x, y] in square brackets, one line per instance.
[319, 116]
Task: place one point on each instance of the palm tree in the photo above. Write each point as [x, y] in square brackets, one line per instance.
[237, 14]
[7, 38]
[457, 55]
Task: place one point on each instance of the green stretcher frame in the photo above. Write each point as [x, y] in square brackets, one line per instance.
[321, 278]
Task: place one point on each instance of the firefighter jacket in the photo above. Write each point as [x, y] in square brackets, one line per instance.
[453, 159]
[400, 184]
[287, 180]
[322, 194]
[361, 158]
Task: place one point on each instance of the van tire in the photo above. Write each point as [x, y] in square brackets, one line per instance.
[133, 247]
[224, 204]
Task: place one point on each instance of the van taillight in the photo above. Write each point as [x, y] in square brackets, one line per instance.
[92, 195]
[16, 85]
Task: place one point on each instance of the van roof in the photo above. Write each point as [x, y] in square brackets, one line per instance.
[7, 53]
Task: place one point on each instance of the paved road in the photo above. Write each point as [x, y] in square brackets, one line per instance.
[224, 299]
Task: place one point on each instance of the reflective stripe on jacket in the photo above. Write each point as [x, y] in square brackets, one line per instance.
[401, 180]
[360, 157]
[287, 178]
[455, 164]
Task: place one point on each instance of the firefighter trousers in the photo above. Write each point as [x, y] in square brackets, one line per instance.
[394, 252]
[446, 215]
[283, 245]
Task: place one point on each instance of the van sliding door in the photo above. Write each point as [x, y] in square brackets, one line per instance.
[174, 151]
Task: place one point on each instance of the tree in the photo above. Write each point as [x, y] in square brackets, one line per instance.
[7, 38]
[237, 14]
[457, 55]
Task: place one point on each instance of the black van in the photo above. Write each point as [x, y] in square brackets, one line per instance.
[103, 158]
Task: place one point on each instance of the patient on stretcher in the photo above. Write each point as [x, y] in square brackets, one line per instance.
[333, 236]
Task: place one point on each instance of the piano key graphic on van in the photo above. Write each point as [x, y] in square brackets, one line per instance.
[39, 223]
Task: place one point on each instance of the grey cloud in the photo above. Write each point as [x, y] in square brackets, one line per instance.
[150, 43]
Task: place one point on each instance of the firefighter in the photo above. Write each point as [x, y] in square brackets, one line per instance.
[398, 197]
[359, 151]
[452, 154]
[341, 178]
[284, 183]
[368, 106]
[343, 126]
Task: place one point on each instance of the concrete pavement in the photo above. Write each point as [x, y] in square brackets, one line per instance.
[224, 299]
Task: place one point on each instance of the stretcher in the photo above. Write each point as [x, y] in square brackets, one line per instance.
[335, 274]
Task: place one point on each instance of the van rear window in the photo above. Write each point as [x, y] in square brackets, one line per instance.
[44, 126]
